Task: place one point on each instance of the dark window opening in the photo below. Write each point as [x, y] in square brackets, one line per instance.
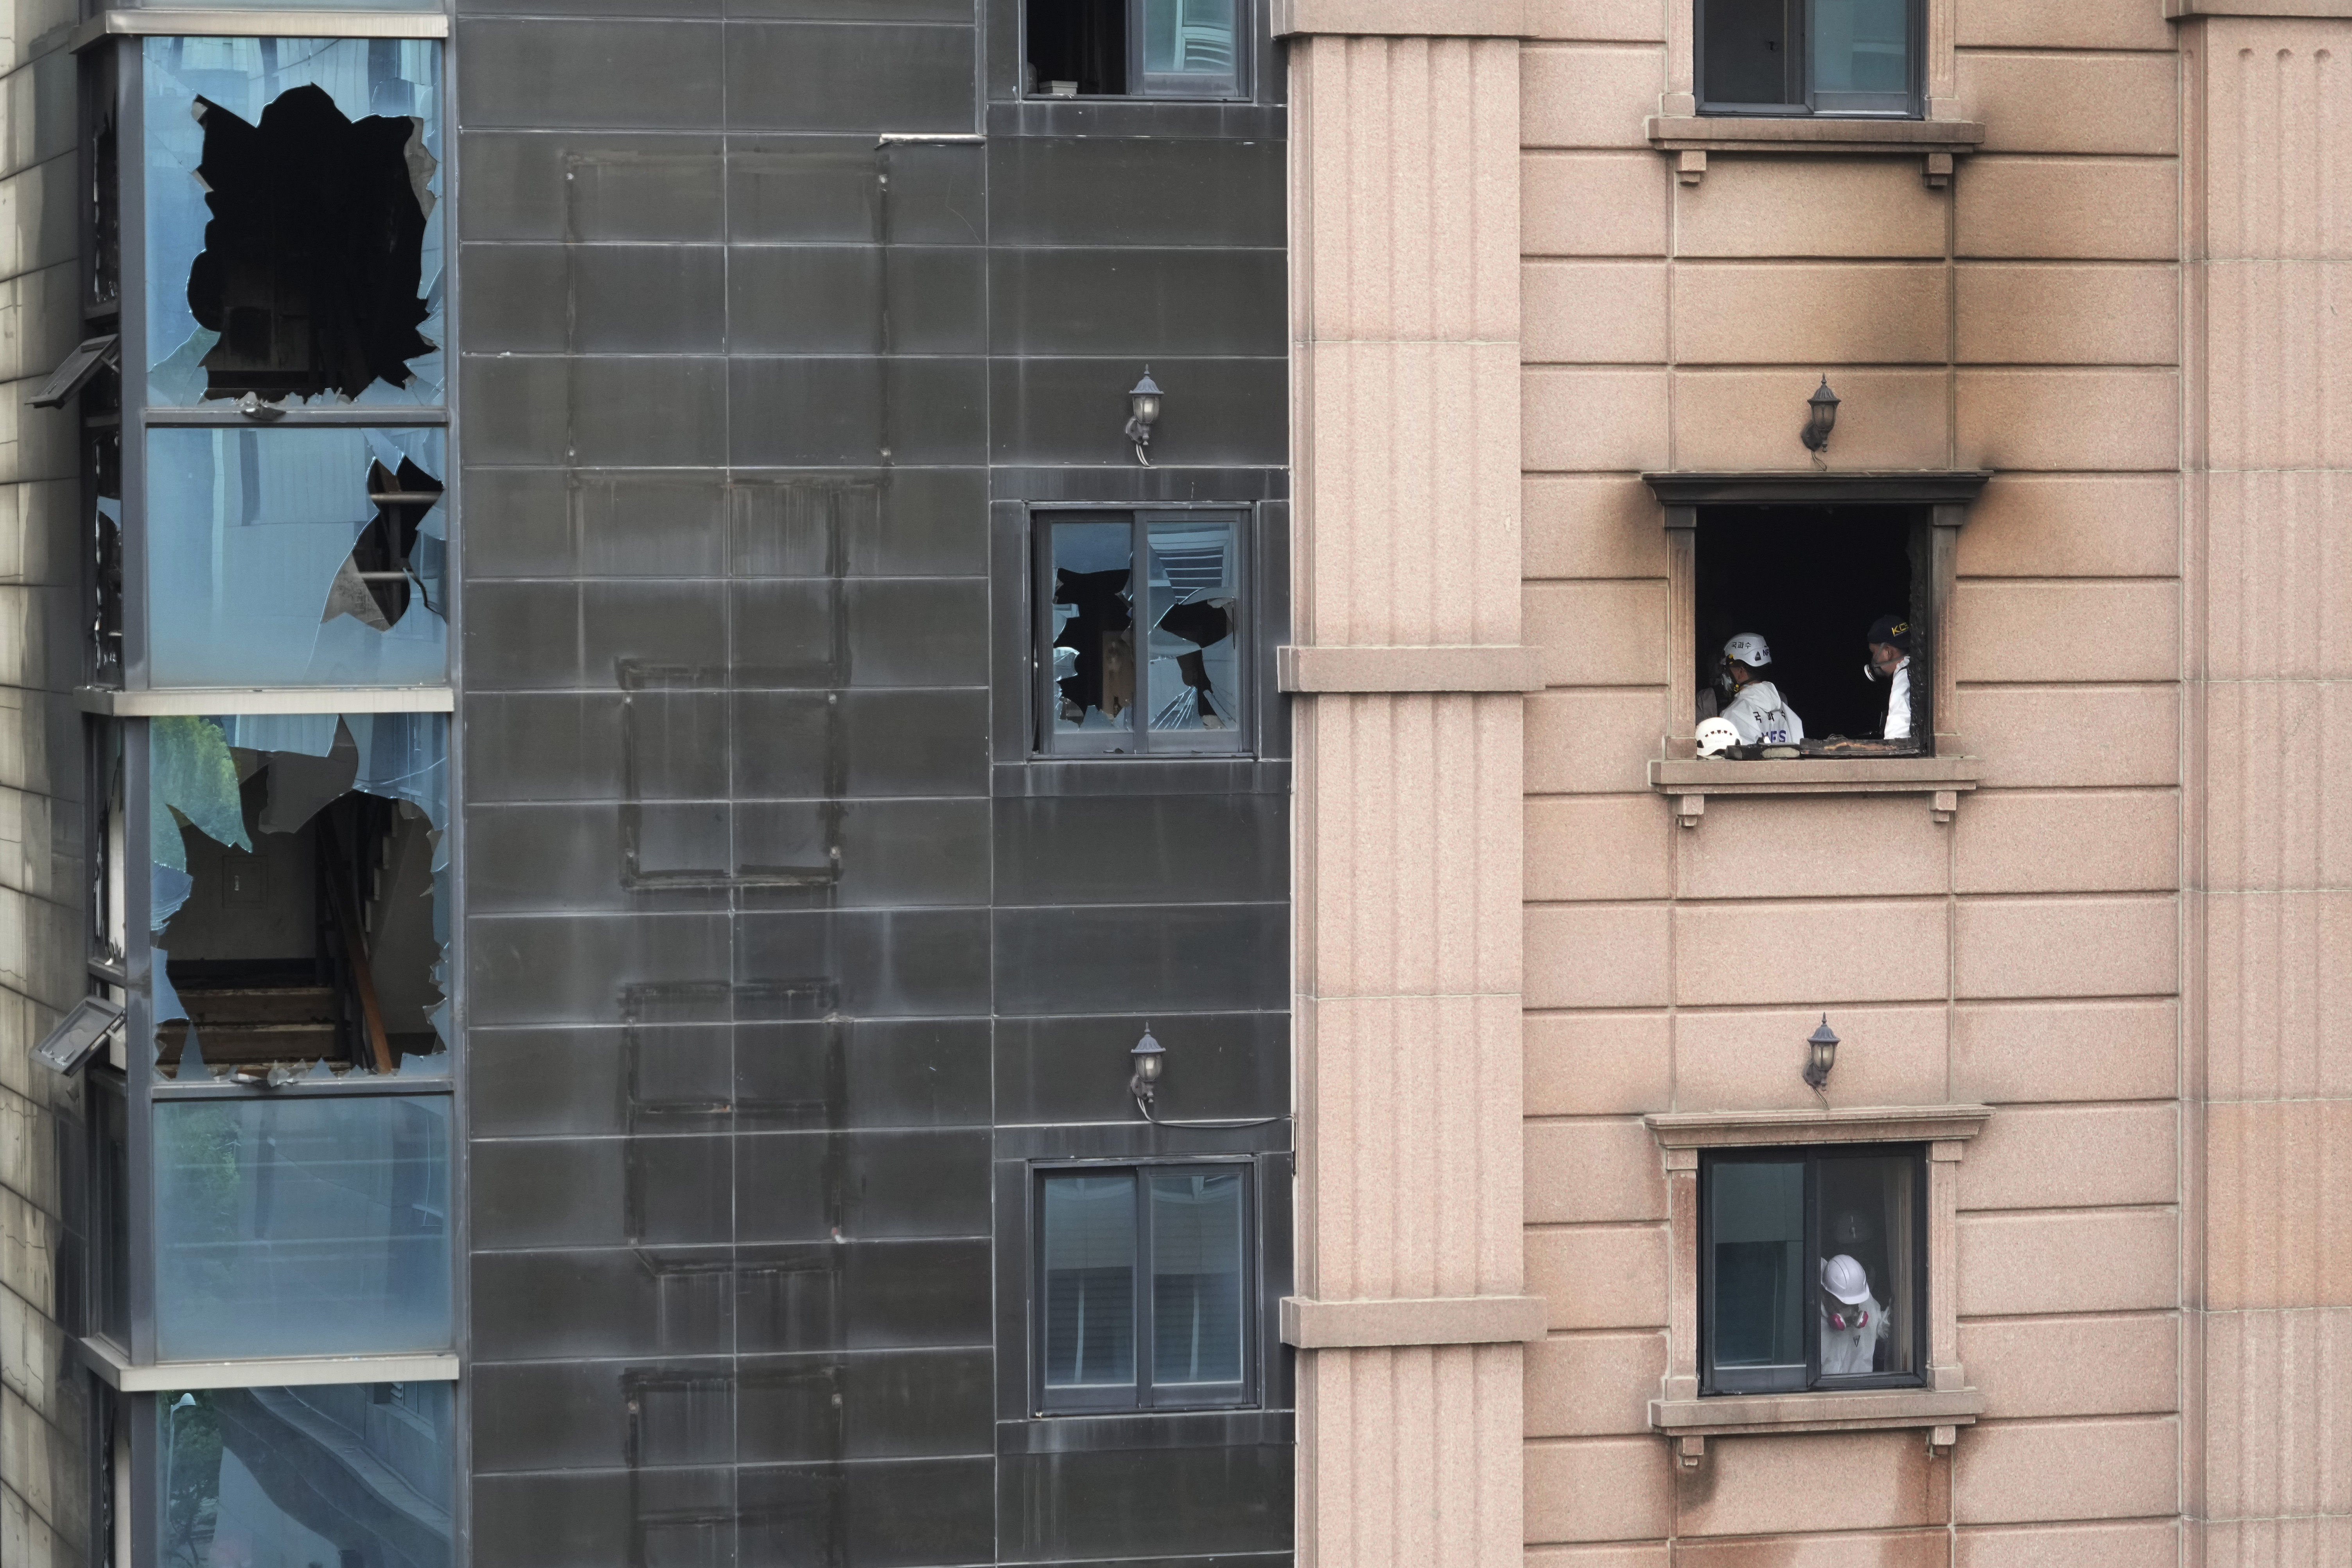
[304, 928]
[102, 471]
[313, 257]
[375, 582]
[1157, 49]
[1812, 582]
[1127, 668]
[103, 214]
[1808, 57]
[110, 1124]
[1144, 1287]
[1813, 1269]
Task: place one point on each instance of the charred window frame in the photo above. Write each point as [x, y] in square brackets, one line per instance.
[1771, 1222]
[1811, 59]
[1119, 1321]
[1138, 49]
[1186, 689]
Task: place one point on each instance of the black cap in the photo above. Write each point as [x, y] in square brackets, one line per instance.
[1888, 630]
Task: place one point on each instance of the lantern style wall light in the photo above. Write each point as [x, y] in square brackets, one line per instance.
[1146, 1057]
[1821, 418]
[1144, 402]
[1821, 1054]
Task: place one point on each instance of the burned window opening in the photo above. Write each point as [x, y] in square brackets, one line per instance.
[312, 269]
[105, 208]
[1077, 47]
[102, 468]
[1811, 582]
[1154, 48]
[298, 930]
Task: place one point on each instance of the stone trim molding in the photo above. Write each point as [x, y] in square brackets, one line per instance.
[1691, 137]
[1310, 1324]
[1944, 1406]
[1401, 18]
[1677, 1130]
[1943, 779]
[2181, 10]
[200, 22]
[1302, 669]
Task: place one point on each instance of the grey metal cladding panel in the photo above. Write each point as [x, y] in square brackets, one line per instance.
[1150, 958]
[1065, 1070]
[621, 411]
[1139, 302]
[622, 74]
[1217, 412]
[590, 186]
[596, 298]
[835, 190]
[1125, 191]
[1118, 1503]
[822, 76]
[806, 1075]
[857, 300]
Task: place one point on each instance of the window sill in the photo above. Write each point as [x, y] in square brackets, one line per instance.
[116, 1371]
[1942, 779]
[1691, 137]
[113, 702]
[1693, 1421]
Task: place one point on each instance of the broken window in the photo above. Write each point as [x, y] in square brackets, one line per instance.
[294, 557]
[1119, 48]
[1813, 584]
[1143, 1285]
[341, 1475]
[302, 1225]
[1130, 666]
[293, 219]
[300, 890]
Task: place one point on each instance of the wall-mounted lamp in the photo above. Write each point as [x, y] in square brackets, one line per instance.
[1821, 418]
[1146, 1057]
[1821, 1054]
[1144, 400]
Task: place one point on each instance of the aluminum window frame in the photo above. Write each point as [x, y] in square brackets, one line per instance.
[1808, 107]
[1237, 740]
[1043, 1402]
[1915, 1331]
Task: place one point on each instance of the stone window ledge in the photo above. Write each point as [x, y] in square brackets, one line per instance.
[1943, 1411]
[1943, 779]
[1691, 137]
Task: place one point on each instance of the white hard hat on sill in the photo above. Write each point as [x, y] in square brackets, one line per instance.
[1716, 736]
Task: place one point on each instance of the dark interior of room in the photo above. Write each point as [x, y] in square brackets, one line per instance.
[1810, 581]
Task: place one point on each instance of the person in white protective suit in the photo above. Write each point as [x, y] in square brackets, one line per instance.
[1757, 709]
[1853, 1321]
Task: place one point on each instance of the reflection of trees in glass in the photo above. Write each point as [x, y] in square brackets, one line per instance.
[192, 1457]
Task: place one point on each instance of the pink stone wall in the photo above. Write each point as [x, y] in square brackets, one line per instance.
[2029, 319]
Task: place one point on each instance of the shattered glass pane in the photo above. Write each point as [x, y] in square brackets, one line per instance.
[315, 1225]
[1195, 670]
[1094, 626]
[291, 557]
[300, 886]
[343, 1475]
[294, 226]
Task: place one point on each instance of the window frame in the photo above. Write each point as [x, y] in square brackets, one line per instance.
[1238, 87]
[1043, 1402]
[1916, 74]
[1238, 740]
[1816, 1381]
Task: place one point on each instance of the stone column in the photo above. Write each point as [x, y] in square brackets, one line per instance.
[1405, 398]
[2268, 139]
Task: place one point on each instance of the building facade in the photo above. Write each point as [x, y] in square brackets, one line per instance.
[921, 784]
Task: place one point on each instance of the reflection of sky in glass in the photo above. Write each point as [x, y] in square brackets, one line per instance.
[1193, 37]
[1862, 45]
[317, 1225]
[399, 77]
[246, 530]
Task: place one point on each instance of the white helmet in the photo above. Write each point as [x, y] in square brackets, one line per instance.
[1749, 650]
[1842, 1277]
[1716, 736]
